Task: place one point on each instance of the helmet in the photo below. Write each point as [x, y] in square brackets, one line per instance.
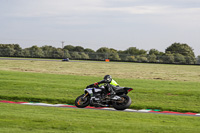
[108, 78]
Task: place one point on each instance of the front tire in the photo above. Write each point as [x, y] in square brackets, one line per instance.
[122, 104]
[82, 102]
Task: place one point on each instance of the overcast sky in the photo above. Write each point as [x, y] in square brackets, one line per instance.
[118, 24]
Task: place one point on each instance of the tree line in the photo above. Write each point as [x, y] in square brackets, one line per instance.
[176, 53]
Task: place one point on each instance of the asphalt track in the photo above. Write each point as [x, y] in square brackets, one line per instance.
[105, 108]
[57, 60]
[29, 59]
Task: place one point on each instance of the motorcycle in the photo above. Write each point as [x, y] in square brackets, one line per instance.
[100, 97]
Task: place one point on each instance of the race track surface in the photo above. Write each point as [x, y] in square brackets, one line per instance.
[105, 108]
[58, 60]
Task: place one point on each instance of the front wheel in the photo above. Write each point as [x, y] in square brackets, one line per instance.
[82, 101]
[122, 104]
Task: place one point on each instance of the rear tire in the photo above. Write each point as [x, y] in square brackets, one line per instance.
[124, 104]
[82, 103]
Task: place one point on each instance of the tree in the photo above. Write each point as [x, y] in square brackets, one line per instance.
[18, 50]
[78, 49]
[103, 50]
[112, 50]
[66, 54]
[198, 59]
[35, 51]
[179, 48]
[108, 53]
[69, 47]
[26, 52]
[75, 55]
[183, 49]
[121, 52]
[114, 56]
[152, 58]
[88, 50]
[48, 51]
[168, 58]
[179, 58]
[84, 55]
[93, 56]
[154, 51]
[10, 50]
[131, 58]
[123, 56]
[142, 52]
[58, 53]
[141, 58]
[103, 53]
[190, 60]
[135, 51]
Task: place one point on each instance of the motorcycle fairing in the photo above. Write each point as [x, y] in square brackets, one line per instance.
[91, 91]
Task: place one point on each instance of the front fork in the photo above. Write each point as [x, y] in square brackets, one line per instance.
[85, 95]
[81, 99]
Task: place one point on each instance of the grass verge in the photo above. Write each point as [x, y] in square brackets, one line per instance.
[32, 119]
[117, 70]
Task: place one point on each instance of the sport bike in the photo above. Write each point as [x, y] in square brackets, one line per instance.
[100, 97]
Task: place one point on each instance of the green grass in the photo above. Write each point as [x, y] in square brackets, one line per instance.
[34, 119]
[156, 86]
[117, 70]
[54, 88]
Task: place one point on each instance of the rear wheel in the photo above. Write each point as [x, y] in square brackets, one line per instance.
[122, 104]
[82, 101]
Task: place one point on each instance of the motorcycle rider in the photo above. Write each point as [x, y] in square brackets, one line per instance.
[110, 84]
